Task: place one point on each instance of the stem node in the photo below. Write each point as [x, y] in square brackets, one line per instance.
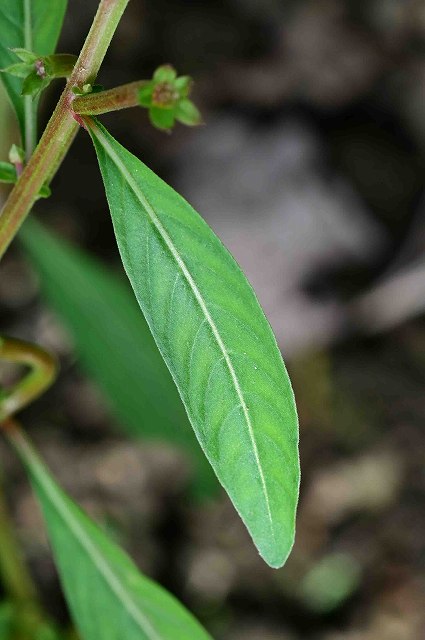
[62, 127]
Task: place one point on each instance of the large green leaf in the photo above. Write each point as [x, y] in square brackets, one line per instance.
[33, 25]
[114, 343]
[109, 599]
[216, 342]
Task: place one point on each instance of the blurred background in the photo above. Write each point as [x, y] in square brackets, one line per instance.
[310, 168]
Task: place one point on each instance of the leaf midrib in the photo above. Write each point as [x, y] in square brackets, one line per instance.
[104, 569]
[198, 296]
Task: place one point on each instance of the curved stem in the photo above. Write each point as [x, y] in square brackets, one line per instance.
[62, 126]
[43, 372]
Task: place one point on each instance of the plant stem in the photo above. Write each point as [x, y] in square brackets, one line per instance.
[17, 437]
[15, 577]
[43, 372]
[122, 97]
[62, 126]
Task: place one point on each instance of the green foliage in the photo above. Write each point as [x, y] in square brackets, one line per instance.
[167, 98]
[7, 173]
[17, 155]
[203, 315]
[87, 88]
[108, 597]
[216, 342]
[38, 71]
[27, 24]
[8, 176]
[114, 344]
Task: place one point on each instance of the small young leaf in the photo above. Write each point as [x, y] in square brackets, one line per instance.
[216, 342]
[38, 74]
[183, 85]
[161, 118]
[19, 70]
[60, 65]
[40, 21]
[107, 595]
[165, 73]
[45, 191]
[87, 88]
[7, 173]
[114, 344]
[33, 85]
[16, 155]
[29, 57]
[187, 113]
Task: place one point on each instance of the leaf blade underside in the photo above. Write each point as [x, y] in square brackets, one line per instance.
[114, 344]
[216, 342]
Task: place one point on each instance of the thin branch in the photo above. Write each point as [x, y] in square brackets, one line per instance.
[62, 126]
[122, 97]
[43, 372]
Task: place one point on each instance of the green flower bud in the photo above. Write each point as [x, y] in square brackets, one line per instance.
[166, 98]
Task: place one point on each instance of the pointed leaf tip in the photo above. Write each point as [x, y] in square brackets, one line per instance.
[216, 342]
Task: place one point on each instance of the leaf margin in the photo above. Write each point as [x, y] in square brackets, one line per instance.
[104, 142]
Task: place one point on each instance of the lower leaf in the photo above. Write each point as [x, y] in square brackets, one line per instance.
[108, 597]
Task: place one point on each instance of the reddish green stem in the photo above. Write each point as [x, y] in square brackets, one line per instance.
[62, 126]
[122, 97]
